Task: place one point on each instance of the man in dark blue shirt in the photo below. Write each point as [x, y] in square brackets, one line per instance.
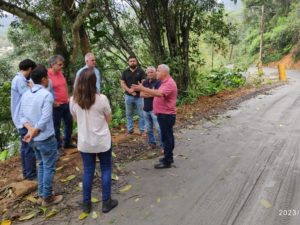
[150, 118]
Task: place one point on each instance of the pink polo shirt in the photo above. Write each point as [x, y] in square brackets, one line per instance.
[167, 103]
[59, 86]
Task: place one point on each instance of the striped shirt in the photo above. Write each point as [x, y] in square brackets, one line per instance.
[97, 73]
[19, 86]
[36, 109]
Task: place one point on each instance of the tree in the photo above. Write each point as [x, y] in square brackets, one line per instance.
[61, 20]
[280, 31]
[168, 25]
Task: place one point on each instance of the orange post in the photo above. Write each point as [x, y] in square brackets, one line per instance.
[281, 71]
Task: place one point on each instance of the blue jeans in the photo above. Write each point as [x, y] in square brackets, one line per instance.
[27, 157]
[166, 123]
[62, 112]
[46, 154]
[89, 165]
[151, 121]
[138, 103]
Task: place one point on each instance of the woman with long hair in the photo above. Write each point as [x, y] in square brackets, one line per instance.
[93, 114]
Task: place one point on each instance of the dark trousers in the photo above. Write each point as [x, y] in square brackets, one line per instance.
[27, 158]
[89, 165]
[166, 123]
[63, 113]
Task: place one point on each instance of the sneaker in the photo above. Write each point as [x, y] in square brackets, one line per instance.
[70, 145]
[143, 134]
[39, 201]
[162, 160]
[52, 200]
[129, 133]
[86, 207]
[152, 145]
[162, 165]
[109, 205]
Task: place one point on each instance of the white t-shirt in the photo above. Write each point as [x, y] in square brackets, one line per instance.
[93, 131]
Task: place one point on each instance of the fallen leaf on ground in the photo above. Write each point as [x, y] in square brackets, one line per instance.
[114, 177]
[43, 209]
[28, 216]
[182, 156]
[52, 213]
[94, 215]
[126, 188]
[71, 177]
[94, 200]
[147, 214]
[112, 221]
[137, 199]
[83, 215]
[265, 203]
[77, 168]
[31, 199]
[65, 159]
[114, 154]
[59, 168]
[6, 222]
[158, 200]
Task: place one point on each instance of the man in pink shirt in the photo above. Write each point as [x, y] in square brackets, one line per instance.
[164, 106]
[61, 109]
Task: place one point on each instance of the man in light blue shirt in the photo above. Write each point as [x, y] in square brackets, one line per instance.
[90, 62]
[36, 108]
[20, 84]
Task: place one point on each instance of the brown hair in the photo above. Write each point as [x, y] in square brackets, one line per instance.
[85, 89]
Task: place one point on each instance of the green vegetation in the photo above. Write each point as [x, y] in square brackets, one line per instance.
[281, 30]
[196, 38]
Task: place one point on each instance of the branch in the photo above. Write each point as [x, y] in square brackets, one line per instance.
[27, 16]
[116, 28]
[123, 59]
[76, 28]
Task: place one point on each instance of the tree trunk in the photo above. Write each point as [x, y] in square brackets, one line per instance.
[230, 55]
[212, 56]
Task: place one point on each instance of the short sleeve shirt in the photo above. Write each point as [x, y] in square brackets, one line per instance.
[167, 103]
[59, 85]
[93, 130]
[134, 77]
[148, 102]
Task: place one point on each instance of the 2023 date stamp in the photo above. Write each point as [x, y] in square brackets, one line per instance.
[288, 212]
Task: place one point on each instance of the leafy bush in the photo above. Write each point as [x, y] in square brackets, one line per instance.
[226, 78]
[213, 82]
[8, 133]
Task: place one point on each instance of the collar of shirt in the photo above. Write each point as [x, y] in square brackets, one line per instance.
[152, 81]
[165, 80]
[55, 73]
[23, 77]
[36, 88]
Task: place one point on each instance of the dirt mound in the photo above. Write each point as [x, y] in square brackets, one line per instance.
[289, 62]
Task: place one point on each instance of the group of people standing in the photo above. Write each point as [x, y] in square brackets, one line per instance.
[40, 102]
[154, 98]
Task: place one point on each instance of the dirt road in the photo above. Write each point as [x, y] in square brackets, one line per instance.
[242, 168]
